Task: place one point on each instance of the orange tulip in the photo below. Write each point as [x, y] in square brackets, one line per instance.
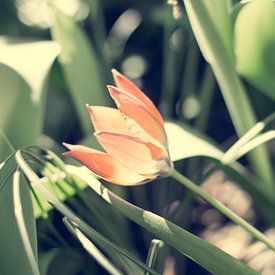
[133, 137]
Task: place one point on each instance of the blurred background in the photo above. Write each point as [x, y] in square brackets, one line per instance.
[152, 43]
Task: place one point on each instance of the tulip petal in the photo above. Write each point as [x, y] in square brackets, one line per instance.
[126, 84]
[104, 165]
[107, 118]
[132, 108]
[138, 155]
[110, 119]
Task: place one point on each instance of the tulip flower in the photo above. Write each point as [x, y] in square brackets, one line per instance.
[132, 136]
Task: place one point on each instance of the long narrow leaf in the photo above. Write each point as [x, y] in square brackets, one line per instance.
[205, 254]
[19, 216]
[13, 259]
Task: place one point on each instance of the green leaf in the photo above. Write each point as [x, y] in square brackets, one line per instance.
[208, 256]
[6, 148]
[184, 143]
[261, 139]
[219, 13]
[255, 37]
[80, 66]
[21, 225]
[214, 49]
[23, 70]
[13, 259]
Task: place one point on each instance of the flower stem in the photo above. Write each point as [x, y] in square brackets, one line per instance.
[222, 208]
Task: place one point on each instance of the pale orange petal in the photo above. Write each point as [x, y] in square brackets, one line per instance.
[107, 118]
[131, 107]
[126, 84]
[139, 155]
[104, 165]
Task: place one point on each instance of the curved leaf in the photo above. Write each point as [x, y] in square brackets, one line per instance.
[13, 259]
[183, 143]
[23, 70]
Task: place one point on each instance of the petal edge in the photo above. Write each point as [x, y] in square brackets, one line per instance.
[104, 165]
[126, 84]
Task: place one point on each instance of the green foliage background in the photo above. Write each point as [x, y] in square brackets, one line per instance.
[211, 72]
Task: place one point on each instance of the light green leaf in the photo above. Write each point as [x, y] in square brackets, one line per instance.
[23, 70]
[80, 66]
[21, 225]
[208, 256]
[219, 12]
[183, 143]
[261, 139]
[255, 44]
[13, 259]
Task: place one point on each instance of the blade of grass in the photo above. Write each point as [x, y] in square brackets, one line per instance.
[18, 212]
[168, 68]
[261, 139]
[232, 151]
[207, 89]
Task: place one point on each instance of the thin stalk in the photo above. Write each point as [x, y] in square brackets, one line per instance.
[43, 211]
[45, 216]
[223, 209]
[168, 71]
[100, 34]
[153, 253]
[234, 94]
[229, 155]
[183, 209]
[190, 71]
[206, 98]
